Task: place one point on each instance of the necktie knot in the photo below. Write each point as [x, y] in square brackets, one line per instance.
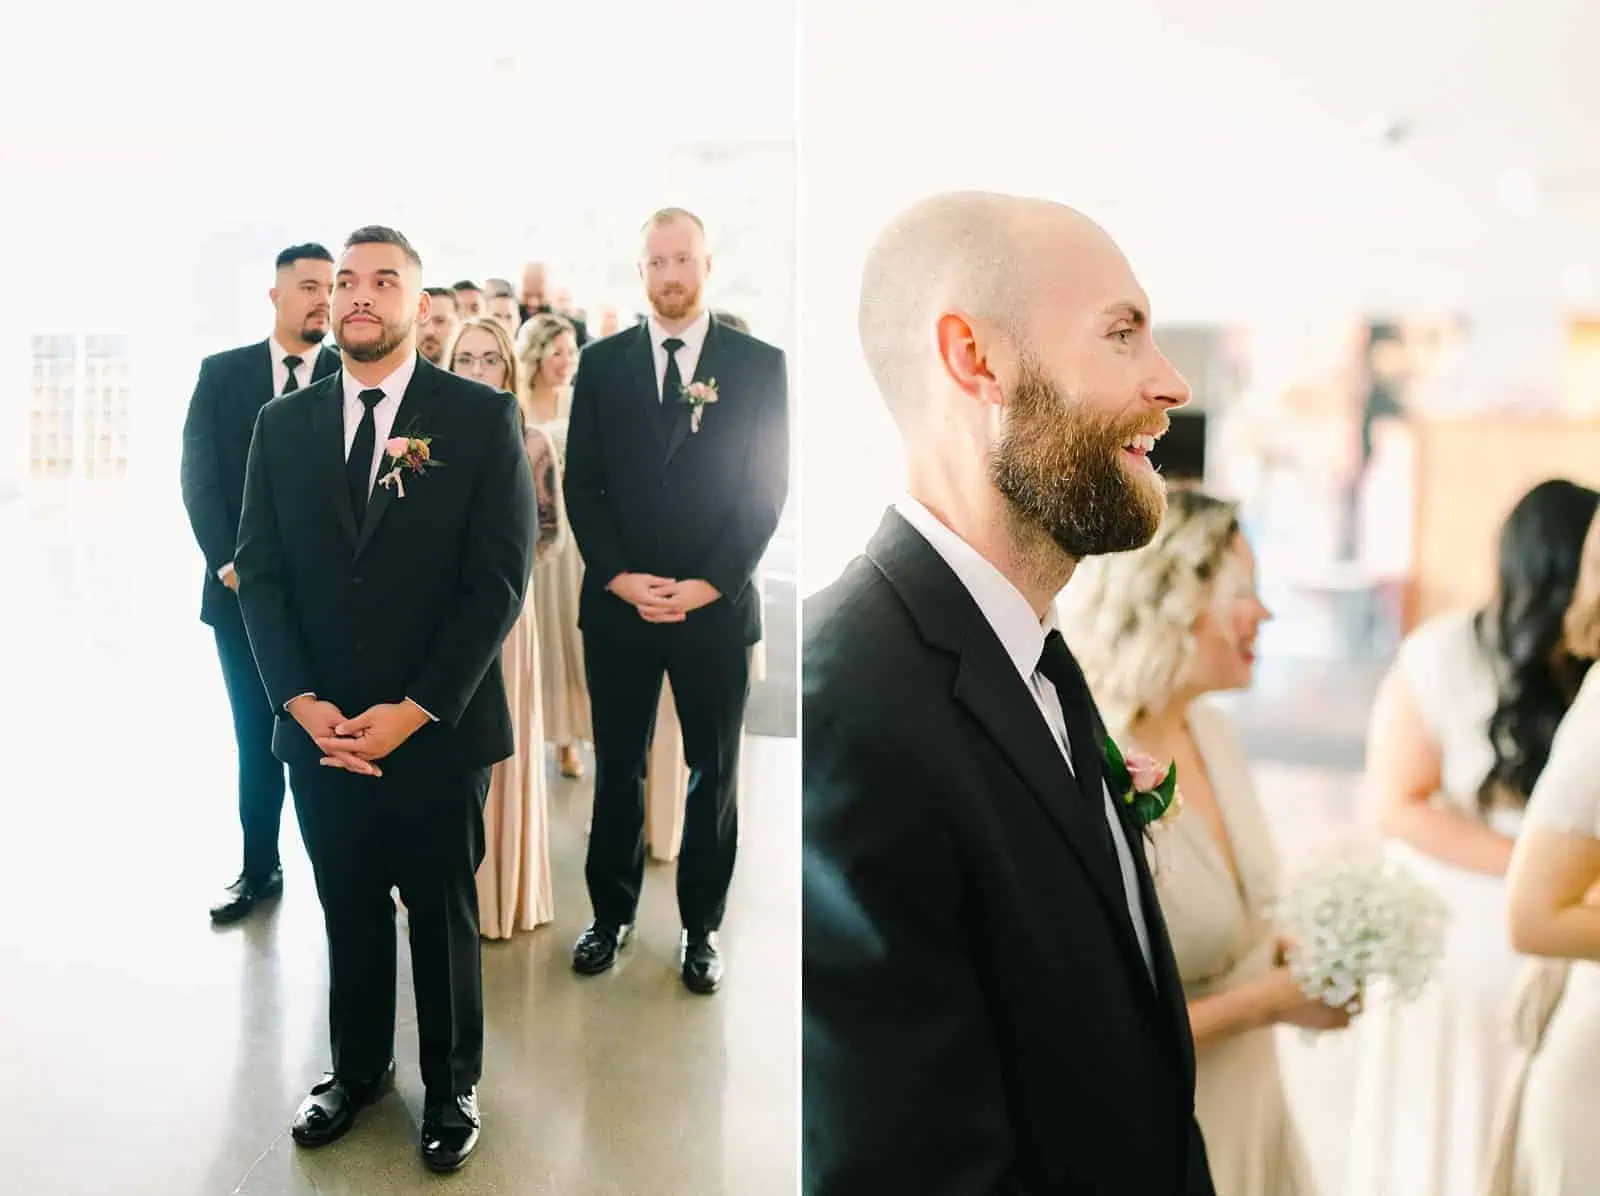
[672, 344]
[371, 398]
[292, 363]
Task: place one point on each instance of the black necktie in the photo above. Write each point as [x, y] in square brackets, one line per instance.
[1061, 670]
[292, 363]
[671, 384]
[358, 466]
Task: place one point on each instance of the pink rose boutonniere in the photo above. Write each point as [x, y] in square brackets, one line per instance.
[1146, 786]
[695, 396]
[407, 454]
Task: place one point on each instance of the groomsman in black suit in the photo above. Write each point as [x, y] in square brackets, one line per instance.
[673, 504]
[384, 554]
[992, 1004]
[233, 387]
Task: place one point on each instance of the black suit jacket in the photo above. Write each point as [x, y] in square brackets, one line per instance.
[418, 600]
[977, 1015]
[232, 388]
[677, 504]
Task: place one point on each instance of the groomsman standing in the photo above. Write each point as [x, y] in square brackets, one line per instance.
[233, 386]
[677, 472]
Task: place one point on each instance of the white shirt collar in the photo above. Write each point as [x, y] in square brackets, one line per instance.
[1020, 631]
[693, 337]
[393, 387]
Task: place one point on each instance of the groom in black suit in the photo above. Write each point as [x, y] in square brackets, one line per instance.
[384, 554]
[233, 387]
[990, 998]
[673, 505]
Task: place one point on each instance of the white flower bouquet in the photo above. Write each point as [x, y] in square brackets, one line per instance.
[1355, 918]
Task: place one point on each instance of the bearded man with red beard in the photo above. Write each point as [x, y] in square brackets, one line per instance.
[677, 472]
[990, 998]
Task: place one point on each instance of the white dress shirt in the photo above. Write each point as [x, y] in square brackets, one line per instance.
[280, 372]
[1022, 635]
[394, 389]
[694, 340]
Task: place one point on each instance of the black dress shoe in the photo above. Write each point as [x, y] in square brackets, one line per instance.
[702, 963]
[597, 947]
[450, 1131]
[328, 1113]
[244, 894]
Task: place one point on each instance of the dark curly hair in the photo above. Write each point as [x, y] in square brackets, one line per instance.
[1541, 545]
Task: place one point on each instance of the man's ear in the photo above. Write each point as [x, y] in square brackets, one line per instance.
[964, 358]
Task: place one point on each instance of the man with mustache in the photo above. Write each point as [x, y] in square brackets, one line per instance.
[384, 553]
[439, 328]
[232, 388]
[673, 503]
[990, 999]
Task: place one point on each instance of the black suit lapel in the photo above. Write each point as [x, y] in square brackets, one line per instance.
[328, 362]
[989, 686]
[327, 447]
[704, 370]
[260, 382]
[410, 420]
[647, 400]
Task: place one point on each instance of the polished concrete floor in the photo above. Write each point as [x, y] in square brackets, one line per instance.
[144, 1052]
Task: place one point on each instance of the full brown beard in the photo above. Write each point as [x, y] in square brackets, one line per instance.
[1063, 473]
[674, 307]
[393, 335]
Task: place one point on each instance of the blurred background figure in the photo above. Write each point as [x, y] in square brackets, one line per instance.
[469, 299]
[438, 332]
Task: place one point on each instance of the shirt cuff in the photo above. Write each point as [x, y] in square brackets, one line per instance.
[296, 698]
[432, 718]
[223, 572]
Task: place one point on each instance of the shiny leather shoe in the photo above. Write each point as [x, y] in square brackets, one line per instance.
[450, 1131]
[328, 1113]
[244, 894]
[702, 963]
[596, 948]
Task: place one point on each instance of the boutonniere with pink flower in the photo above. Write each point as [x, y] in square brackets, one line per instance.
[1148, 788]
[695, 396]
[407, 454]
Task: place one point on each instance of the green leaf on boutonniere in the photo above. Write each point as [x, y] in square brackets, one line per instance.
[1117, 775]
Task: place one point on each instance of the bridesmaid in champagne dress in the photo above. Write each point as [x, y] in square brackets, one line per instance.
[514, 889]
[1155, 630]
[1554, 913]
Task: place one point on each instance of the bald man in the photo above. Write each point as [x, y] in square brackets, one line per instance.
[991, 1003]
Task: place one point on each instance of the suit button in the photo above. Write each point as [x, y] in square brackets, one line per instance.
[358, 580]
[361, 645]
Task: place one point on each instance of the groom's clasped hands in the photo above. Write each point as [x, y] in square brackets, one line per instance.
[662, 599]
[353, 744]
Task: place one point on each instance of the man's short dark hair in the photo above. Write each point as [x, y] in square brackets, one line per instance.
[466, 284]
[441, 293]
[310, 251]
[378, 234]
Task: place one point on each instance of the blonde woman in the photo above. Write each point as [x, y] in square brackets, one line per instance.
[1553, 897]
[514, 889]
[547, 351]
[1156, 630]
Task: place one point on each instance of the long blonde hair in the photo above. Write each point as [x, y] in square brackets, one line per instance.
[1129, 617]
[536, 341]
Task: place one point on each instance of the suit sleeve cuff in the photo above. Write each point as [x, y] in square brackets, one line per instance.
[223, 570]
[432, 717]
[296, 698]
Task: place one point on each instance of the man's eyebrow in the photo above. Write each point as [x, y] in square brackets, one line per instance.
[1129, 311]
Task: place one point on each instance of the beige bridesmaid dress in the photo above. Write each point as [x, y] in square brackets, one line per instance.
[1221, 937]
[514, 888]
[1549, 1134]
[558, 578]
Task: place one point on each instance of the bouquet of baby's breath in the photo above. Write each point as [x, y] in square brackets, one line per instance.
[1355, 918]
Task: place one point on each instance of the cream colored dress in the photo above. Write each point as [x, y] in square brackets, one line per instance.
[559, 577]
[1429, 1073]
[1556, 1151]
[514, 889]
[1221, 937]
